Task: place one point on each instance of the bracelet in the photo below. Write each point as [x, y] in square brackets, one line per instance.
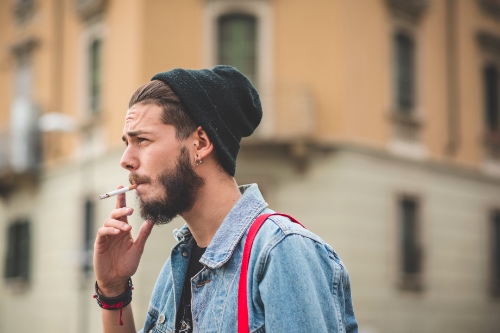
[117, 302]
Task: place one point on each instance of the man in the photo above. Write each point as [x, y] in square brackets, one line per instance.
[182, 133]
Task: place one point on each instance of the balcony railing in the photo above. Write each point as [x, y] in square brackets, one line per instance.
[4, 151]
[289, 114]
[89, 8]
[19, 158]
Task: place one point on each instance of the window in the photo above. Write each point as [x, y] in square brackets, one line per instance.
[18, 256]
[491, 111]
[88, 235]
[489, 44]
[410, 248]
[90, 95]
[94, 69]
[404, 49]
[495, 253]
[240, 34]
[237, 42]
[24, 9]
[24, 152]
[92, 49]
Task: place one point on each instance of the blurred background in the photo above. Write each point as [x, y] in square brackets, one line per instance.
[381, 133]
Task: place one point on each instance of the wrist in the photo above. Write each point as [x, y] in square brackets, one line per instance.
[112, 289]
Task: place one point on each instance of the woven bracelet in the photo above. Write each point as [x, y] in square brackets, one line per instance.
[117, 302]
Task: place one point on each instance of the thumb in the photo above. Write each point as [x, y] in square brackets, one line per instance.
[144, 233]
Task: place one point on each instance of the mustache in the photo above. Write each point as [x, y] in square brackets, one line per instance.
[134, 178]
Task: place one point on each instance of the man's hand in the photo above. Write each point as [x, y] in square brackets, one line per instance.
[116, 254]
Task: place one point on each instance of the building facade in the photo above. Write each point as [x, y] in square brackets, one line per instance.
[381, 133]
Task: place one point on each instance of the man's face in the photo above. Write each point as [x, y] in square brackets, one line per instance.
[159, 163]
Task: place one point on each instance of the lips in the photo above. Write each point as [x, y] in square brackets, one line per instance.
[139, 186]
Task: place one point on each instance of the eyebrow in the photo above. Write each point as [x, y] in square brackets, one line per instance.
[133, 134]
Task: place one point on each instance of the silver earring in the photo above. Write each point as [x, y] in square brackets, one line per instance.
[198, 162]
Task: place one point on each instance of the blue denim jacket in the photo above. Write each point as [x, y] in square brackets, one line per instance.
[296, 282]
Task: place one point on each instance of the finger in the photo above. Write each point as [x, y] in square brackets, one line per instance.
[121, 202]
[143, 235]
[103, 232]
[121, 212]
[120, 199]
[112, 223]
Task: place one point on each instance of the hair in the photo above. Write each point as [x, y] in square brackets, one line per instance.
[158, 93]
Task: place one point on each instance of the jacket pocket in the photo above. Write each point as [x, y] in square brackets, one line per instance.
[150, 326]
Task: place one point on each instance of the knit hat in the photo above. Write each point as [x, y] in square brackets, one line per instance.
[222, 101]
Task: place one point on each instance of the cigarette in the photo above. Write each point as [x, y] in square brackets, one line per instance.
[116, 192]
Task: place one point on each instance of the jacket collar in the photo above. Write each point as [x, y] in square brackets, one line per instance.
[232, 229]
[234, 226]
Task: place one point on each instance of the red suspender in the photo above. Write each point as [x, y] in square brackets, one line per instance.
[243, 323]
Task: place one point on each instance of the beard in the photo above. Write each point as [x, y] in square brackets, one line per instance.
[180, 188]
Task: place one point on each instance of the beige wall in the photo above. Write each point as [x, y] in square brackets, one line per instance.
[348, 198]
[339, 51]
[5, 65]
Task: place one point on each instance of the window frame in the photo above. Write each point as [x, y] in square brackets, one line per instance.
[94, 30]
[91, 142]
[486, 98]
[24, 151]
[406, 126]
[494, 250]
[405, 281]
[489, 55]
[17, 272]
[263, 12]
[89, 224]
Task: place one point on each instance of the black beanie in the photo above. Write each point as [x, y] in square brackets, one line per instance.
[222, 101]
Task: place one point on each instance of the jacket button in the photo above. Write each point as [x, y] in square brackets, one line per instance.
[162, 318]
[184, 254]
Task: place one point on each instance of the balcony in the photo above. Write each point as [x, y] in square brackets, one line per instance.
[19, 159]
[410, 9]
[89, 8]
[289, 115]
[490, 7]
[491, 143]
[288, 123]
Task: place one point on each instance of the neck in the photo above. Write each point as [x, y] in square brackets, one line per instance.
[214, 201]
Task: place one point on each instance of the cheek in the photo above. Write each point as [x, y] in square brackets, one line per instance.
[159, 160]
[158, 168]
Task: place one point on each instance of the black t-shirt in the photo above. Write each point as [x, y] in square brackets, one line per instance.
[184, 319]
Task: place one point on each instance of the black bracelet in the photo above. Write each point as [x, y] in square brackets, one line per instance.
[117, 302]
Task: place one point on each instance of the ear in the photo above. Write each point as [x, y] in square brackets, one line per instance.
[202, 144]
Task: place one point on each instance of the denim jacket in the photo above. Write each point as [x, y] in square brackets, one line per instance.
[296, 282]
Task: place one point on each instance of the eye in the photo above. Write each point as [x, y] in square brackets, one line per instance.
[141, 139]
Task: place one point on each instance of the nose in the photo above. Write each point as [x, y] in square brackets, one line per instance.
[128, 160]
